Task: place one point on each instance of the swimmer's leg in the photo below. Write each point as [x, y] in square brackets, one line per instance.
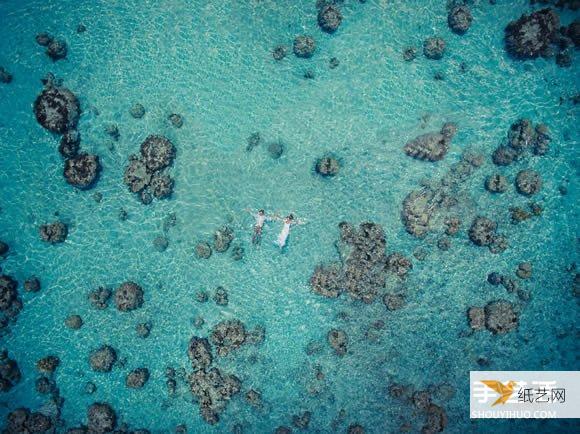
[257, 237]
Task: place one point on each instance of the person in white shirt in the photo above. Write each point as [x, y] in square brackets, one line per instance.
[261, 218]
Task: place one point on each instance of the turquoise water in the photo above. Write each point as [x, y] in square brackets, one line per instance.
[211, 62]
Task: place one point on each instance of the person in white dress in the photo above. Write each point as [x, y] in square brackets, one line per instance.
[283, 237]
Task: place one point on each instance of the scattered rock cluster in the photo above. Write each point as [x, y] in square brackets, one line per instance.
[422, 207]
[10, 302]
[145, 173]
[522, 137]
[433, 417]
[539, 34]
[9, 372]
[363, 267]
[56, 48]
[499, 317]
[483, 233]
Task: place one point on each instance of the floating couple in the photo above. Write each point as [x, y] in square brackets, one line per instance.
[262, 218]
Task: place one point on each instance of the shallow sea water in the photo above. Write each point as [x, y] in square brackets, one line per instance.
[211, 62]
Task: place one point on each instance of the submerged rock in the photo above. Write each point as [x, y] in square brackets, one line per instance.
[57, 49]
[70, 144]
[101, 418]
[137, 111]
[82, 170]
[398, 264]
[57, 109]
[53, 233]
[128, 297]
[338, 340]
[531, 35]
[220, 296]
[212, 390]
[524, 270]
[431, 146]
[504, 156]
[199, 352]
[143, 329]
[476, 316]
[102, 359]
[434, 48]
[22, 420]
[329, 18]
[32, 284]
[100, 297]
[500, 317]
[459, 19]
[482, 231]
[43, 39]
[228, 336]
[203, 250]
[9, 372]
[528, 182]
[304, 46]
[496, 183]
[222, 239]
[161, 186]
[279, 52]
[275, 149]
[48, 364]
[137, 378]
[326, 280]
[136, 176]
[5, 76]
[74, 322]
[327, 166]
[158, 152]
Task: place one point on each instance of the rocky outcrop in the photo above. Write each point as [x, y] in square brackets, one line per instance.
[199, 352]
[531, 35]
[9, 372]
[137, 378]
[101, 418]
[228, 336]
[327, 166]
[57, 109]
[434, 48]
[82, 170]
[338, 341]
[304, 46]
[528, 182]
[128, 297]
[53, 233]
[145, 173]
[102, 359]
[329, 18]
[213, 389]
[459, 19]
[431, 146]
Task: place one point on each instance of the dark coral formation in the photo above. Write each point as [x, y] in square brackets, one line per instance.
[100, 297]
[199, 352]
[145, 173]
[128, 297]
[213, 389]
[531, 35]
[9, 372]
[228, 336]
[57, 109]
[82, 170]
[434, 48]
[329, 18]
[102, 359]
[431, 146]
[528, 182]
[22, 420]
[10, 303]
[101, 418]
[5, 76]
[364, 266]
[459, 19]
[327, 166]
[222, 239]
[70, 144]
[496, 183]
[304, 46]
[522, 137]
[338, 341]
[137, 378]
[499, 317]
[53, 233]
[434, 416]
[483, 233]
